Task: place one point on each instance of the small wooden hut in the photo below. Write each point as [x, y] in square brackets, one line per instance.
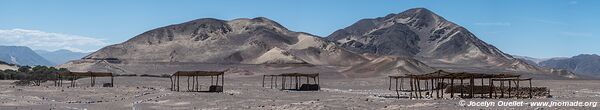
[293, 81]
[437, 83]
[194, 76]
[74, 75]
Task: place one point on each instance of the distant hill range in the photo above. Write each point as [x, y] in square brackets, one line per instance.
[415, 41]
[22, 55]
[584, 64]
[60, 56]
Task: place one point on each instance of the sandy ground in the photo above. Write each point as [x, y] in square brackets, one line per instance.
[146, 93]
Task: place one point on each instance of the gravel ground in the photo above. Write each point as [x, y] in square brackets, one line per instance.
[146, 93]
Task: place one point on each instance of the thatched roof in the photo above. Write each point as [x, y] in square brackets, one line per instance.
[457, 75]
[89, 73]
[198, 73]
[311, 75]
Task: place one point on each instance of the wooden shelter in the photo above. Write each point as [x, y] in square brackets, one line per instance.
[294, 81]
[194, 75]
[437, 83]
[74, 75]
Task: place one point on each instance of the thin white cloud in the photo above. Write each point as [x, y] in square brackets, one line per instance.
[549, 22]
[40, 40]
[493, 24]
[576, 34]
[573, 2]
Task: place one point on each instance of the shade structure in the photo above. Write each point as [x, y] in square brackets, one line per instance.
[294, 81]
[437, 84]
[194, 86]
[93, 75]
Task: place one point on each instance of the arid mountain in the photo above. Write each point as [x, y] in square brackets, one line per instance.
[239, 41]
[21, 55]
[415, 41]
[421, 34]
[213, 41]
[584, 64]
[60, 56]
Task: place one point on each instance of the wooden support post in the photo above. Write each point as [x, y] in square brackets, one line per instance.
[112, 81]
[462, 88]
[223, 80]
[307, 82]
[501, 89]
[416, 88]
[509, 87]
[271, 81]
[442, 88]
[483, 87]
[91, 81]
[217, 81]
[411, 87]
[297, 82]
[451, 87]
[426, 86]
[178, 78]
[472, 94]
[396, 85]
[58, 81]
[518, 94]
[188, 83]
[419, 88]
[491, 83]
[171, 82]
[263, 80]
[437, 86]
[432, 87]
[397, 93]
[318, 80]
[530, 89]
[193, 83]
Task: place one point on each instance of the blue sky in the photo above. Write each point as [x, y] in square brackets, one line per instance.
[532, 28]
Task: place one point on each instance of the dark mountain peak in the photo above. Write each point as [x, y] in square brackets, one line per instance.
[419, 10]
[206, 20]
[586, 55]
[262, 19]
[421, 14]
[420, 33]
[258, 22]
